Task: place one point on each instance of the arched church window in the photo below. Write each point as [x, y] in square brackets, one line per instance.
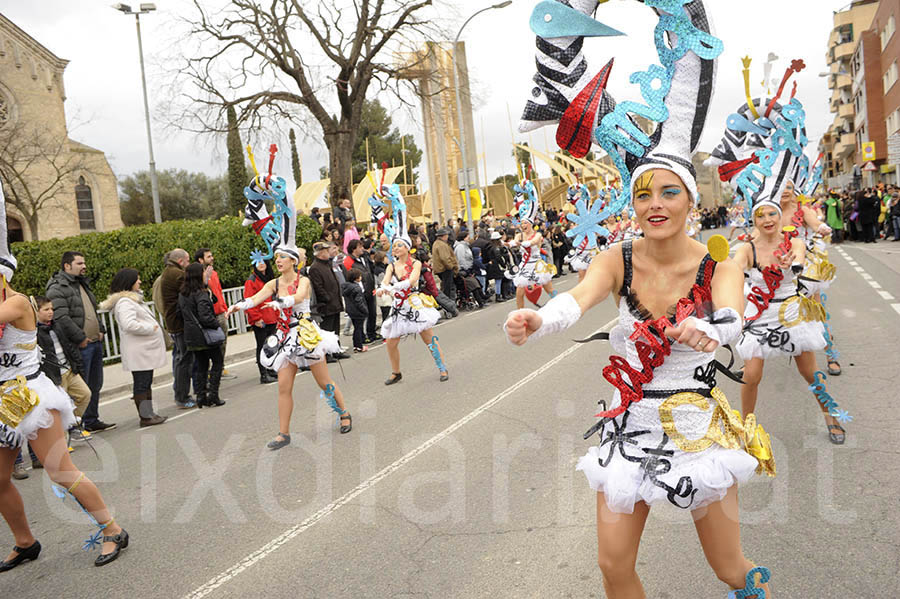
[84, 201]
[14, 229]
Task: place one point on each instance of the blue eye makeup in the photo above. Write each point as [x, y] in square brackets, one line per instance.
[671, 191]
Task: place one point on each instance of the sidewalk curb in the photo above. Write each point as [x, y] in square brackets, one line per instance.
[118, 390]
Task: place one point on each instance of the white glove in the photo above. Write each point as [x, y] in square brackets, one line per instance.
[244, 304]
[722, 333]
[282, 303]
[557, 315]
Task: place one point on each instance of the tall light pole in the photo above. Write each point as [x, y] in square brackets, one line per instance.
[459, 115]
[145, 8]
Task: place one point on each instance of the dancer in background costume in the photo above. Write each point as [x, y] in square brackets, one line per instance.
[298, 341]
[532, 270]
[761, 152]
[32, 408]
[669, 435]
[412, 312]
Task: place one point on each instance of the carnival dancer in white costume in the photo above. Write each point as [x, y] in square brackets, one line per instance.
[298, 341]
[763, 145]
[532, 270]
[588, 229]
[737, 220]
[818, 272]
[412, 312]
[33, 409]
[669, 435]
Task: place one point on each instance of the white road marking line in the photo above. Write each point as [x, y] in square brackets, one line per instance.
[868, 278]
[295, 530]
[852, 262]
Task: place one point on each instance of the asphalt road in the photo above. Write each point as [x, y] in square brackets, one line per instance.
[468, 488]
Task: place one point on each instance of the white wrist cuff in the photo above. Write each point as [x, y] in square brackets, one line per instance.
[557, 315]
[244, 304]
[285, 302]
[722, 332]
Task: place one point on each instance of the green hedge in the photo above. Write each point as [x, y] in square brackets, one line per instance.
[143, 247]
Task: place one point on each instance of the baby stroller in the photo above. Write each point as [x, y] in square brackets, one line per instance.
[469, 295]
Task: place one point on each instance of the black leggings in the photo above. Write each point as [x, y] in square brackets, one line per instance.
[205, 373]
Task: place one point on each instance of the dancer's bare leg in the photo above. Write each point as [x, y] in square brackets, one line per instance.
[753, 371]
[51, 449]
[11, 506]
[520, 297]
[618, 540]
[393, 353]
[807, 367]
[323, 378]
[719, 530]
[286, 375]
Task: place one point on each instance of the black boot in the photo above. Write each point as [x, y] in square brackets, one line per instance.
[212, 392]
[144, 404]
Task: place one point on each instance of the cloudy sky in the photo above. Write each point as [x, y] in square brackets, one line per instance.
[104, 90]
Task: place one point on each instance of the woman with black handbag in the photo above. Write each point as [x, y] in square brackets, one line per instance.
[203, 336]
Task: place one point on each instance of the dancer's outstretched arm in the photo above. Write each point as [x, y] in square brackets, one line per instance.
[565, 309]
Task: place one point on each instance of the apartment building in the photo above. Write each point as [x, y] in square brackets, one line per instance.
[839, 144]
[884, 27]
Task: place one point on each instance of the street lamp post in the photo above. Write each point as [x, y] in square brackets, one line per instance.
[145, 8]
[459, 115]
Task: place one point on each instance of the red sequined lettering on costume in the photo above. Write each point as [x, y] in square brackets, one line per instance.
[772, 275]
[405, 293]
[653, 346]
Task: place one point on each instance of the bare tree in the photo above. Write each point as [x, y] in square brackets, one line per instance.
[288, 60]
[38, 171]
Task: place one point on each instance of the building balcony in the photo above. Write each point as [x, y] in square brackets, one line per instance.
[845, 146]
[847, 111]
[844, 51]
[843, 82]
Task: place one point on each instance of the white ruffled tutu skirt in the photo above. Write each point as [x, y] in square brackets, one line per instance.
[534, 273]
[637, 460]
[302, 345]
[411, 316]
[790, 327]
[50, 398]
[582, 261]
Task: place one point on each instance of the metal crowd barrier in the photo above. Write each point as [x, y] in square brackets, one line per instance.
[237, 323]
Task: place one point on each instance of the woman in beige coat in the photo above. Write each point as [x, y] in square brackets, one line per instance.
[143, 347]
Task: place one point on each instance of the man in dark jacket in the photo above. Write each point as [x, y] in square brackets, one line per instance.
[170, 286]
[326, 287]
[358, 258]
[75, 310]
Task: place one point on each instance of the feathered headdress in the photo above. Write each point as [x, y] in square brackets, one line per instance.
[677, 94]
[762, 148]
[526, 201]
[389, 210]
[278, 230]
[7, 260]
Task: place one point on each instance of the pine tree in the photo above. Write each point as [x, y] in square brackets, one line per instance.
[237, 171]
[295, 161]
